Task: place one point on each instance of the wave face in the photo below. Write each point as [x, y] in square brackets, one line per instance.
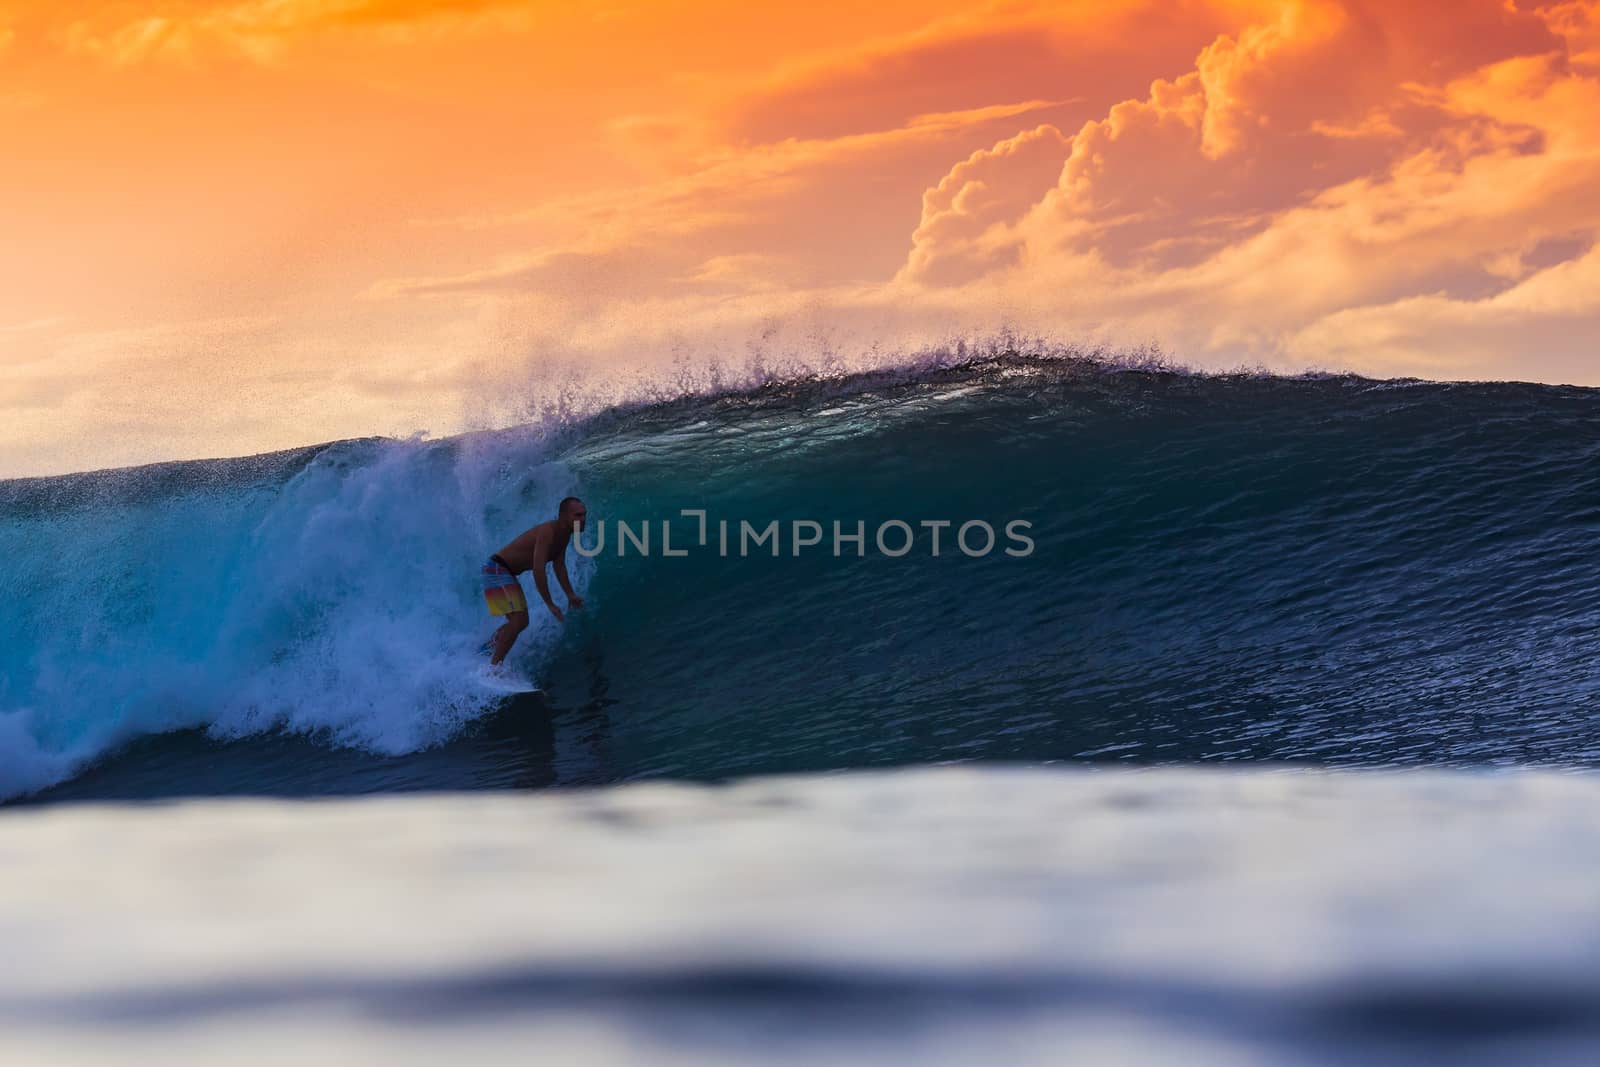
[1332, 570]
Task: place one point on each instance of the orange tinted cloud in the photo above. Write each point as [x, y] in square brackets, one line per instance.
[260, 29]
[1549, 322]
[963, 232]
[770, 204]
[1097, 53]
[1319, 96]
[1337, 155]
[368, 205]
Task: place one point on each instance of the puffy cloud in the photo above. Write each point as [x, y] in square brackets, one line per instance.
[1304, 103]
[1320, 157]
[1334, 155]
[1517, 166]
[966, 218]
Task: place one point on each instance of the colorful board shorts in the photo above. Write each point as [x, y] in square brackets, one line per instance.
[502, 590]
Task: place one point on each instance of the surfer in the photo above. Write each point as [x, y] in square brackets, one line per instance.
[543, 545]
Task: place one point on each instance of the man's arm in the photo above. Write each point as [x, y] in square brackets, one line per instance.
[559, 565]
[541, 556]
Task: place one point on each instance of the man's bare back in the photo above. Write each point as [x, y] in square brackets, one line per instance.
[541, 546]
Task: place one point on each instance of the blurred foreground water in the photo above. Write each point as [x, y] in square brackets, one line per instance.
[939, 915]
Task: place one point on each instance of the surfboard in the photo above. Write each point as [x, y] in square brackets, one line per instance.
[505, 684]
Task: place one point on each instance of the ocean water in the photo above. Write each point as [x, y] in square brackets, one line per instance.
[1277, 745]
[950, 915]
[1330, 570]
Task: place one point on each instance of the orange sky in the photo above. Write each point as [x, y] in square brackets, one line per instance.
[231, 225]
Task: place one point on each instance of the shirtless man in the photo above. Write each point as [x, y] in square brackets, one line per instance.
[543, 545]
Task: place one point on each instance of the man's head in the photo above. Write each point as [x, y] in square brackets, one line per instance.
[572, 513]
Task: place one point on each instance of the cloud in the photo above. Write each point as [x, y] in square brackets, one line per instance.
[1334, 155]
[749, 271]
[229, 385]
[965, 218]
[1094, 53]
[1547, 325]
[1305, 102]
[1318, 158]
[1399, 188]
[1517, 167]
[1578, 22]
[778, 202]
[261, 30]
[29, 326]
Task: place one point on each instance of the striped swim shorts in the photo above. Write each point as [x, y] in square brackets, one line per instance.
[501, 589]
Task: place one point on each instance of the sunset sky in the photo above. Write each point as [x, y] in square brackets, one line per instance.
[234, 225]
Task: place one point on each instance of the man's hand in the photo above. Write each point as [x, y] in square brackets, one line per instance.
[556, 612]
[574, 603]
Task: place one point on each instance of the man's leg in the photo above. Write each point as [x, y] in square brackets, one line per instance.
[506, 636]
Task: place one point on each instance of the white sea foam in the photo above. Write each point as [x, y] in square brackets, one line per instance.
[342, 603]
